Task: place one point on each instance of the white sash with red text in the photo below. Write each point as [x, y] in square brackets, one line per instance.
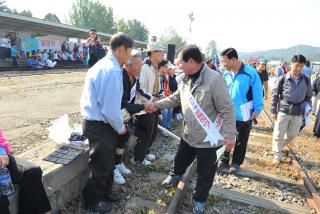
[212, 129]
[133, 92]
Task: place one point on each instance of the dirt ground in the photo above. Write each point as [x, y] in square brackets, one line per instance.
[29, 102]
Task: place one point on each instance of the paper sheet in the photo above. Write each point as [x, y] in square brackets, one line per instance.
[307, 118]
[247, 110]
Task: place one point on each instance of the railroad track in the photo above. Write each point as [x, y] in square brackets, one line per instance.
[26, 71]
[224, 192]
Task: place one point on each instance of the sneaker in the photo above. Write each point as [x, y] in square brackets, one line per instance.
[123, 169]
[235, 168]
[223, 167]
[118, 178]
[171, 180]
[150, 157]
[145, 162]
[198, 207]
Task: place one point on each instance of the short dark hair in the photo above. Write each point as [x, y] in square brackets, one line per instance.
[93, 30]
[191, 52]
[120, 39]
[308, 63]
[299, 58]
[162, 63]
[230, 53]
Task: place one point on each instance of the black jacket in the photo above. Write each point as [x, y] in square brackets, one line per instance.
[130, 106]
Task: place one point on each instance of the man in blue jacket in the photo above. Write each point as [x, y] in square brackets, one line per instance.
[245, 88]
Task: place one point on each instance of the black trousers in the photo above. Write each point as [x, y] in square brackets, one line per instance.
[154, 129]
[122, 140]
[14, 61]
[240, 148]
[206, 167]
[146, 131]
[102, 143]
[32, 196]
[93, 59]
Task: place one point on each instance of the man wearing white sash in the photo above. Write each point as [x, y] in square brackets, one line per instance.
[204, 98]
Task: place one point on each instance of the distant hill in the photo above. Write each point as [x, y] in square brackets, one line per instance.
[312, 53]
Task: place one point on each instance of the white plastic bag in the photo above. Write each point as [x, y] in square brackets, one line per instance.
[60, 130]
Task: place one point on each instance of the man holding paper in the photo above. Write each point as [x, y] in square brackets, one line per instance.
[207, 107]
[103, 122]
[290, 103]
[246, 92]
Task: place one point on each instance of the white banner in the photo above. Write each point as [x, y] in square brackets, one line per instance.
[212, 129]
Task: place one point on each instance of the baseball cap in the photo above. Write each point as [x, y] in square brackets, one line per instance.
[154, 46]
[263, 61]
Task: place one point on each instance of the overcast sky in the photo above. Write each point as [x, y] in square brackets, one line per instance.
[246, 25]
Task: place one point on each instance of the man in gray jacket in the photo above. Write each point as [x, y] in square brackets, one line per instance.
[208, 91]
[290, 97]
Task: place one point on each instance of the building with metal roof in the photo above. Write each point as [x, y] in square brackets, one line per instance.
[34, 27]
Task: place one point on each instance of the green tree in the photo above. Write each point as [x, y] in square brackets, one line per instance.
[51, 17]
[122, 26]
[137, 30]
[3, 7]
[93, 14]
[26, 13]
[211, 50]
[170, 36]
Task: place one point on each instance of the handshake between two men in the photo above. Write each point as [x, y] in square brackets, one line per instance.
[149, 107]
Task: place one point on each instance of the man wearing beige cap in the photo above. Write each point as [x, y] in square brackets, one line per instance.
[148, 87]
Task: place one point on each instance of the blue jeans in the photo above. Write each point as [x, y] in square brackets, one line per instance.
[167, 118]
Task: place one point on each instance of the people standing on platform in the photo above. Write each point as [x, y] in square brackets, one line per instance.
[148, 87]
[290, 97]
[206, 89]
[14, 55]
[245, 88]
[93, 43]
[103, 122]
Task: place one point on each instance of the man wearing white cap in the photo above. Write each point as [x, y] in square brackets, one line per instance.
[148, 88]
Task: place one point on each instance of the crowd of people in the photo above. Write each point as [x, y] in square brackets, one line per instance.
[235, 97]
[125, 94]
[87, 53]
